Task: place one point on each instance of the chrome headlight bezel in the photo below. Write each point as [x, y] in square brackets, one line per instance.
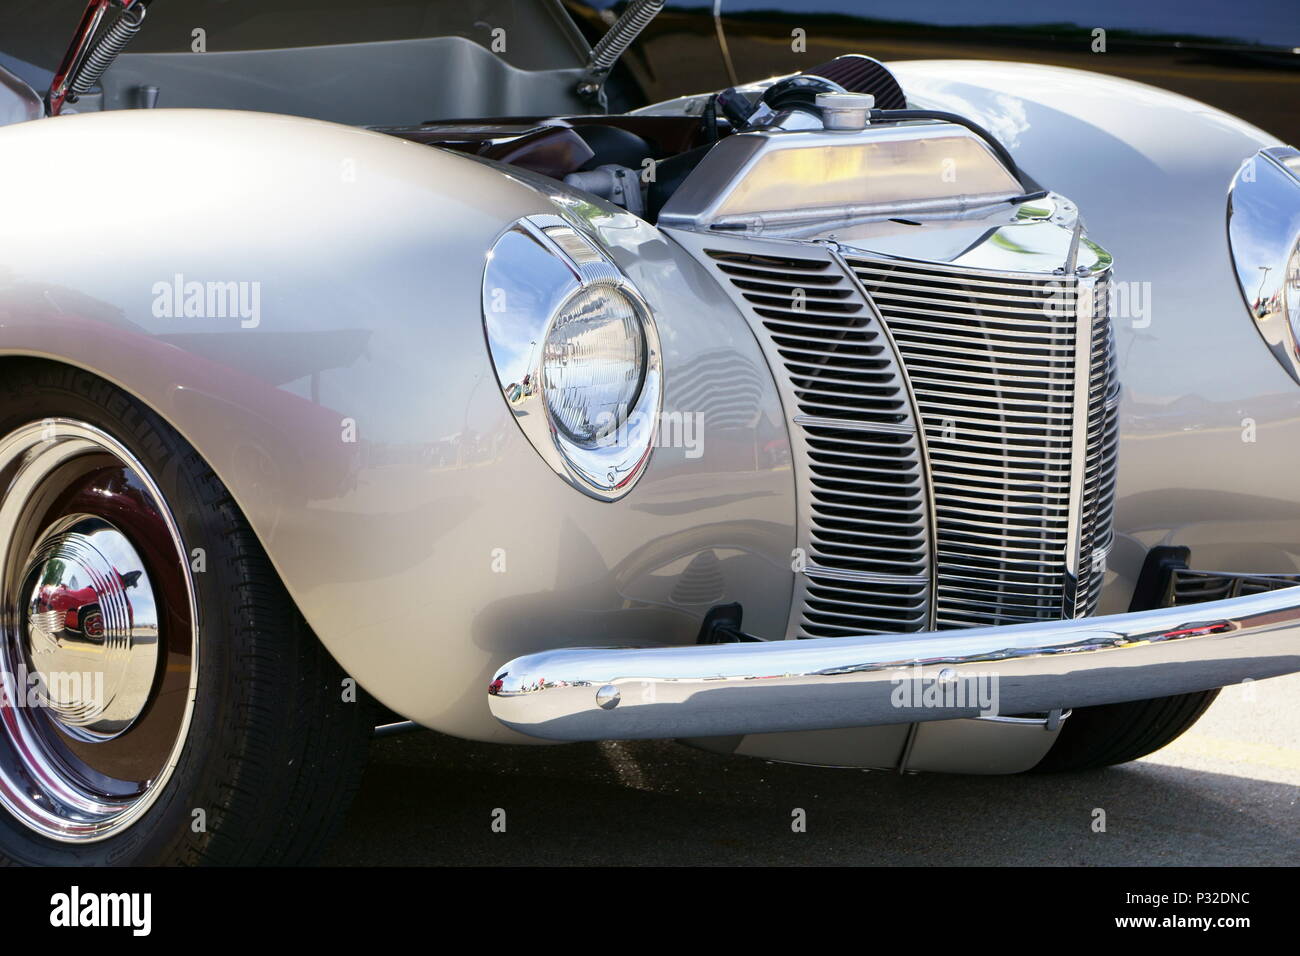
[534, 269]
[1264, 236]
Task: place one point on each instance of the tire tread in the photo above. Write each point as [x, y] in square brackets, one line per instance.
[1095, 737]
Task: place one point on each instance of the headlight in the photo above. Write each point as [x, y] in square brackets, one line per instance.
[1264, 234]
[593, 362]
[576, 353]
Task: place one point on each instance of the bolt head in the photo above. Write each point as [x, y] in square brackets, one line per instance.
[608, 697]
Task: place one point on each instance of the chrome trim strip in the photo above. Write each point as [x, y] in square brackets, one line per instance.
[1056, 717]
[933, 268]
[1079, 435]
[901, 428]
[823, 683]
[815, 571]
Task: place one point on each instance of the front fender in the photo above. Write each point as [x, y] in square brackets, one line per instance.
[353, 413]
[1210, 421]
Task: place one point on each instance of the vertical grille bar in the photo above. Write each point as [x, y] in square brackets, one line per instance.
[1097, 505]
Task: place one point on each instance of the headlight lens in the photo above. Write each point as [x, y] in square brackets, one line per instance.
[593, 363]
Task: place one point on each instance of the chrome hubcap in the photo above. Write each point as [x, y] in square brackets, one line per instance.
[98, 633]
[92, 627]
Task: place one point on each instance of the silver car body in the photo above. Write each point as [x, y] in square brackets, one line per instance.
[354, 414]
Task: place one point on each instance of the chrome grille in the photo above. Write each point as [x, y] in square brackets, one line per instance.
[1021, 522]
[1196, 587]
[997, 508]
[865, 525]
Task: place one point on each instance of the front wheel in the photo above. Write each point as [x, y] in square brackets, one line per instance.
[1094, 737]
[163, 701]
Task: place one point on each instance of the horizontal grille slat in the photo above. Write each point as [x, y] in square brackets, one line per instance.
[899, 288]
[937, 376]
[911, 305]
[960, 280]
[1017, 327]
[1009, 361]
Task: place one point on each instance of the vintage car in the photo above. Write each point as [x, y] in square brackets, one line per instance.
[393, 374]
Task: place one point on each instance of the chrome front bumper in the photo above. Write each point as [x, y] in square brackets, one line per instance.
[774, 686]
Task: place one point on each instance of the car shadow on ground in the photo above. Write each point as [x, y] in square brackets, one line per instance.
[431, 799]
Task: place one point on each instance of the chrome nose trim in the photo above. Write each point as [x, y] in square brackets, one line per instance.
[776, 686]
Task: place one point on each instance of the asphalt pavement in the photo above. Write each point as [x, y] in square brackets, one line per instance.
[1227, 793]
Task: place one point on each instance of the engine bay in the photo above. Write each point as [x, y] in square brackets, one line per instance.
[640, 160]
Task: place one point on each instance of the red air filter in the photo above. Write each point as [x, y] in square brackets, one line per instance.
[861, 74]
